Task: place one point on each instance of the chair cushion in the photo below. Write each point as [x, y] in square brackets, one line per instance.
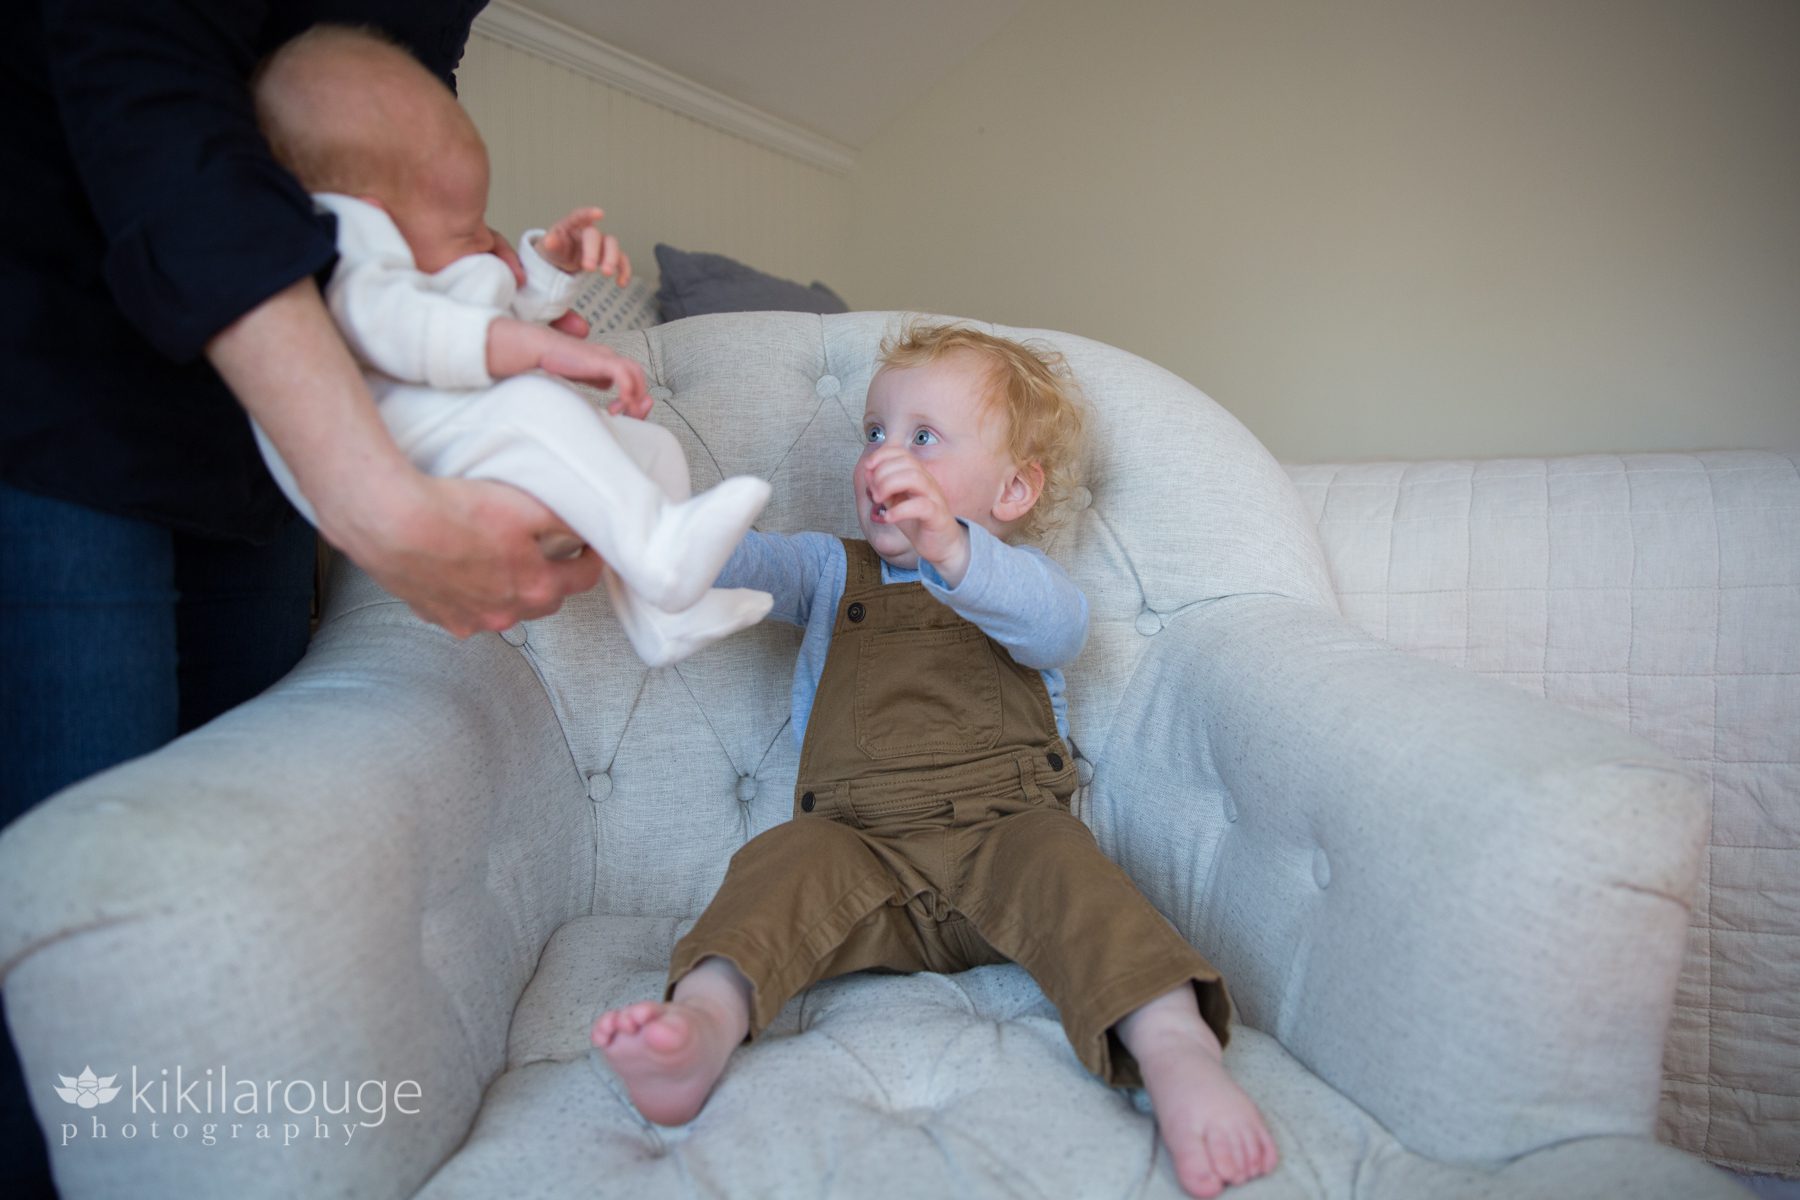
[878, 1086]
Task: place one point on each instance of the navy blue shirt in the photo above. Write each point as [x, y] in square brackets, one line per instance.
[141, 213]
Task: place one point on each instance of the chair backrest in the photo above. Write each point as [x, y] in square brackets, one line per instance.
[1181, 505]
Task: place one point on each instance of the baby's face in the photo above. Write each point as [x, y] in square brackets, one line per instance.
[443, 215]
[936, 414]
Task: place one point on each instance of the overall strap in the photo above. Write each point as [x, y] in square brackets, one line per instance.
[862, 566]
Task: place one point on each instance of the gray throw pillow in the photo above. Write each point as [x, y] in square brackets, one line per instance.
[693, 284]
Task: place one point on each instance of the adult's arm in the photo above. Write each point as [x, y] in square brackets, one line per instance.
[200, 223]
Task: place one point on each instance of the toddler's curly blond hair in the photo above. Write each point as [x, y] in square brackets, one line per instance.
[1032, 388]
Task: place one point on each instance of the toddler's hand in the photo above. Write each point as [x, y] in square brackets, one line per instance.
[589, 362]
[905, 496]
[575, 244]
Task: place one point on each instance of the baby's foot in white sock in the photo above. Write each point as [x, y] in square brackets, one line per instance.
[668, 1055]
[691, 541]
[661, 638]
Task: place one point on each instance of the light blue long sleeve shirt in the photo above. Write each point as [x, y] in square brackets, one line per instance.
[1017, 595]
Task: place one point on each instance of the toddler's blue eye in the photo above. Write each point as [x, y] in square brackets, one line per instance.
[872, 434]
[924, 437]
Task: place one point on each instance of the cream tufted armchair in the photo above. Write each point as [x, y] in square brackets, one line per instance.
[1451, 914]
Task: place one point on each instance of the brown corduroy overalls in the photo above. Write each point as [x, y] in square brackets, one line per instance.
[932, 832]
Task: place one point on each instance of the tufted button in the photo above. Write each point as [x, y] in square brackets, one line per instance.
[1231, 811]
[856, 611]
[746, 788]
[1055, 761]
[1084, 771]
[600, 785]
[1148, 623]
[659, 393]
[1081, 499]
[1321, 869]
[806, 802]
[828, 385]
[515, 636]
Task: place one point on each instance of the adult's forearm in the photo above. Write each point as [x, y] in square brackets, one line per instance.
[292, 372]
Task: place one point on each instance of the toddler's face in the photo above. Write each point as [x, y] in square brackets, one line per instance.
[936, 413]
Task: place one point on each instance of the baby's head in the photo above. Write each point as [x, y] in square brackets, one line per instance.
[996, 424]
[348, 111]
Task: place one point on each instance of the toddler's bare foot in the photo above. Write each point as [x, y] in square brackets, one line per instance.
[1214, 1132]
[669, 1055]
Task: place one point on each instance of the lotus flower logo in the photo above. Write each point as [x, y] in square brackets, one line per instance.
[87, 1090]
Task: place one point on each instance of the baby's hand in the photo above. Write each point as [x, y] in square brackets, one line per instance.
[904, 495]
[575, 244]
[589, 362]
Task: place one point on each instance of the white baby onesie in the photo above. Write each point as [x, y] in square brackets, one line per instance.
[621, 484]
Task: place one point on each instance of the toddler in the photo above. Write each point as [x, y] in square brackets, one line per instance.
[453, 348]
[932, 829]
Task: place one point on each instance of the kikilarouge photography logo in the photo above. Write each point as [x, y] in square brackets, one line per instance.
[213, 1106]
[86, 1090]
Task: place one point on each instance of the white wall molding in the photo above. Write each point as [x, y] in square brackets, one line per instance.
[512, 24]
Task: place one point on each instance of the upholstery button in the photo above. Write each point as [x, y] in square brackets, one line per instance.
[1321, 869]
[515, 636]
[857, 612]
[1084, 771]
[806, 802]
[1148, 623]
[1081, 498]
[746, 788]
[660, 393]
[1056, 762]
[828, 385]
[600, 786]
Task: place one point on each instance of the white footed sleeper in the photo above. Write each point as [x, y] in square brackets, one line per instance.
[620, 484]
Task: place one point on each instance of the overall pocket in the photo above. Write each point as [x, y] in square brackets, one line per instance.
[927, 691]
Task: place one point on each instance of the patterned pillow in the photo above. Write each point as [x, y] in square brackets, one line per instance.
[610, 308]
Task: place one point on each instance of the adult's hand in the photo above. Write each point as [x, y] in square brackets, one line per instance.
[471, 555]
[467, 555]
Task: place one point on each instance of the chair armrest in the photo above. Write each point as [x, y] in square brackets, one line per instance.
[1461, 905]
[348, 879]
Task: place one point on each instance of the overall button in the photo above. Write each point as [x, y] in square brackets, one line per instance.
[1056, 762]
[857, 612]
[806, 802]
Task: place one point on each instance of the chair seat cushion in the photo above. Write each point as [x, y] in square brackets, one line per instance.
[873, 1086]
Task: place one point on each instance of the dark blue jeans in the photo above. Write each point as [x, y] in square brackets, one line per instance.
[116, 636]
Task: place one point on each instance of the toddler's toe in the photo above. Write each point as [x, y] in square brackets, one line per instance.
[1222, 1148]
[1271, 1157]
[1198, 1178]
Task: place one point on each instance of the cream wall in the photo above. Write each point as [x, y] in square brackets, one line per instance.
[1380, 228]
[558, 138]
